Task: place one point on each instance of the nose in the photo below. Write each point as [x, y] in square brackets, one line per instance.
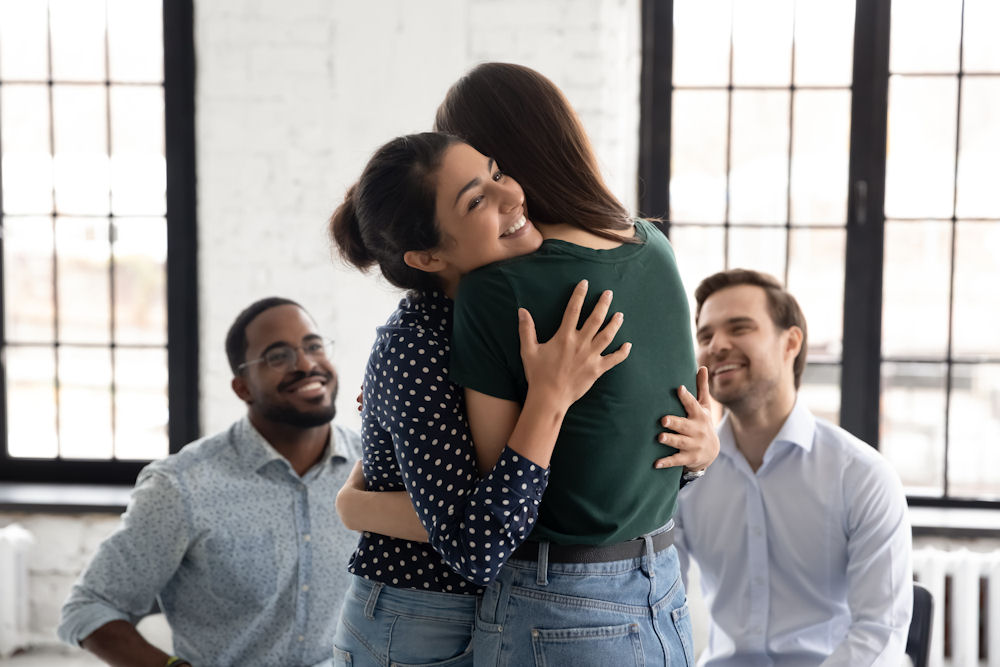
[714, 346]
[303, 362]
[511, 195]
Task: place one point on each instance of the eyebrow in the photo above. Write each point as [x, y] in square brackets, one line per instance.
[732, 320]
[281, 343]
[474, 182]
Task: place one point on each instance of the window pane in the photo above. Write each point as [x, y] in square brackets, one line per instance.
[924, 36]
[138, 166]
[979, 152]
[700, 252]
[135, 39]
[821, 389]
[974, 431]
[759, 178]
[698, 162]
[980, 39]
[977, 300]
[140, 404]
[140, 251]
[77, 40]
[27, 159]
[23, 41]
[920, 164]
[85, 402]
[915, 289]
[29, 314]
[81, 145]
[762, 42]
[758, 248]
[701, 42]
[824, 42]
[31, 405]
[912, 424]
[816, 279]
[820, 152]
[83, 280]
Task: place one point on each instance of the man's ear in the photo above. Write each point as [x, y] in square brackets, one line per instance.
[241, 389]
[424, 260]
[794, 344]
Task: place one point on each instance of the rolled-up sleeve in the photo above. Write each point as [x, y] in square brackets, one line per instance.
[132, 566]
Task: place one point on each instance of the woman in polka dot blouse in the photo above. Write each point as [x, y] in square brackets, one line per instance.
[428, 209]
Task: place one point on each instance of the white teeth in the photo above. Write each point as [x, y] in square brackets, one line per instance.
[310, 386]
[727, 367]
[513, 228]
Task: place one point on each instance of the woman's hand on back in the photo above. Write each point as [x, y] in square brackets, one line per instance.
[566, 366]
[694, 436]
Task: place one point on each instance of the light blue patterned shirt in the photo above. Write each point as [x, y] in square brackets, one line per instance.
[246, 559]
[806, 561]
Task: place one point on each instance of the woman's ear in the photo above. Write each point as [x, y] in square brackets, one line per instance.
[424, 260]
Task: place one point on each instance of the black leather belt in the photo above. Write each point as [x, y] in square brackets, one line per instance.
[585, 553]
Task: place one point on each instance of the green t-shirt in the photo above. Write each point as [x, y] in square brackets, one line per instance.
[603, 487]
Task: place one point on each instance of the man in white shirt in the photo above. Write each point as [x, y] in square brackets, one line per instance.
[800, 530]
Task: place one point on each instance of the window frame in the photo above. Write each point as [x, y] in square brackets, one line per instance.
[861, 358]
[182, 279]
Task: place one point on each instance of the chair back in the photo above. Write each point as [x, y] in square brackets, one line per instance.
[918, 642]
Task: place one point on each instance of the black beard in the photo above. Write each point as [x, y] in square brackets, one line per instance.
[292, 417]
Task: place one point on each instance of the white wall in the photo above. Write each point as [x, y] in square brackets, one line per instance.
[292, 97]
[292, 101]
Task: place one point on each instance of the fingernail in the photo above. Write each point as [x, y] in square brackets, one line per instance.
[583, 282]
[619, 316]
[608, 293]
[685, 389]
[521, 313]
[661, 465]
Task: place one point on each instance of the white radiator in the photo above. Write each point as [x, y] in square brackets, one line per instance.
[15, 542]
[966, 590]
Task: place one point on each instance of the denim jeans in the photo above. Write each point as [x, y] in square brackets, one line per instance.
[381, 625]
[629, 612]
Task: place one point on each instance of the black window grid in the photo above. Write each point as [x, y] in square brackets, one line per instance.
[182, 323]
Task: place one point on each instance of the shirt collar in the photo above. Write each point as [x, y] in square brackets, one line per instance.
[798, 429]
[434, 305]
[257, 452]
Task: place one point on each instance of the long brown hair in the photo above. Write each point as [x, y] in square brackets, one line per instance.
[522, 120]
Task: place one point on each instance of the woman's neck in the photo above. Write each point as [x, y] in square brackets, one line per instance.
[582, 237]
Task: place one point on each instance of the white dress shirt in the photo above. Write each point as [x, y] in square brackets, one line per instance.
[805, 562]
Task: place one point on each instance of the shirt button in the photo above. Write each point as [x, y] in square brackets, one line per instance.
[305, 588]
[302, 638]
[307, 537]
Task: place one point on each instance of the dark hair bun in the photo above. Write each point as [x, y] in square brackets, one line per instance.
[345, 230]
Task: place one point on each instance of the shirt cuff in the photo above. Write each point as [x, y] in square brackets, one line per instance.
[79, 623]
[521, 476]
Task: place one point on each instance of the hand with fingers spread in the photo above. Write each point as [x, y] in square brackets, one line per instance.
[694, 436]
[566, 366]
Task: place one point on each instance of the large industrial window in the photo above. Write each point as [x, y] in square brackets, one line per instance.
[847, 148]
[95, 199]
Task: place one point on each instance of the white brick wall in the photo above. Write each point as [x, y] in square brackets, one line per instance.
[291, 99]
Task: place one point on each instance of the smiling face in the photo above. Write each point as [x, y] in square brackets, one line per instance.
[749, 359]
[480, 214]
[302, 395]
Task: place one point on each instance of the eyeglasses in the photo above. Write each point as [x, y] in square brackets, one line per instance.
[284, 357]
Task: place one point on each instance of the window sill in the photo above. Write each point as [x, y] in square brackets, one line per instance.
[63, 498]
[955, 522]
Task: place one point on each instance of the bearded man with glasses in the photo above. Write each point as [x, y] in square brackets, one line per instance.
[236, 537]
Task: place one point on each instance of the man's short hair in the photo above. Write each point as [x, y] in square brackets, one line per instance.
[782, 306]
[236, 338]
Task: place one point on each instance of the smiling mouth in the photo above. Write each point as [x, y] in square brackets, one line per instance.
[725, 368]
[515, 227]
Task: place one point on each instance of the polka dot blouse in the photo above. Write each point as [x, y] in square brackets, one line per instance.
[415, 437]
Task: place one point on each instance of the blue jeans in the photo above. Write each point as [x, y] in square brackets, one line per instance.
[629, 612]
[382, 625]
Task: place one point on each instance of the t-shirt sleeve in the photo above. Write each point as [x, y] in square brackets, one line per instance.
[485, 352]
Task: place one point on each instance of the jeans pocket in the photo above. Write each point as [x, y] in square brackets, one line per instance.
[681, 618]
[425, 642]
[617, 645]
[342, 658]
